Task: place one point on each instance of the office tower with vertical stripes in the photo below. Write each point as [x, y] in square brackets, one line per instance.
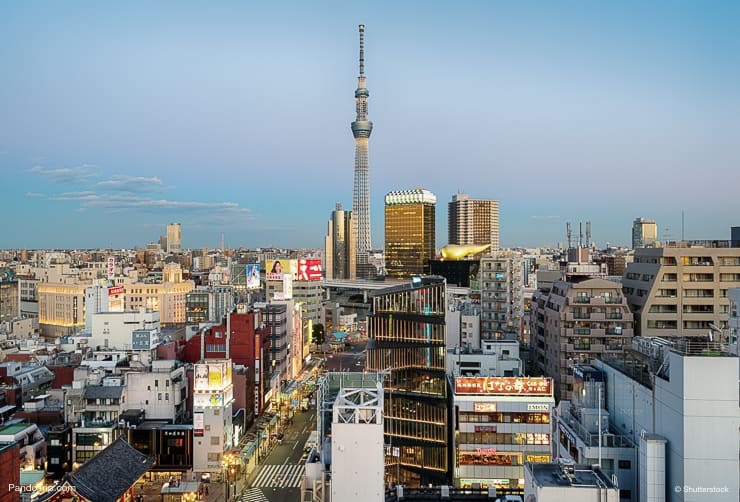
[472, 221]
[361, 129]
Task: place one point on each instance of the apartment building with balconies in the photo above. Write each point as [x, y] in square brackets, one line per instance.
[577, 322]
[502, 295]
[680, 290]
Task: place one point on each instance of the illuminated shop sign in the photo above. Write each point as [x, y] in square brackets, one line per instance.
[504, 386]
[484, 407]
[116, 290]
[485, 428]
[489, 456]
[198, 424]
[538, 407]
[538, 459]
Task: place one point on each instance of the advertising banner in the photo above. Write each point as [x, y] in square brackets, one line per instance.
[253, 276]
[504, 386]
[198, 424]
[309, 269]
[276, 269]
[116, 290]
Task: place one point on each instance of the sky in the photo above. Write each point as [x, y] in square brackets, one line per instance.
[233, 118]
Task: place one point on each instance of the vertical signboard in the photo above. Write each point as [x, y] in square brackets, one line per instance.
[198, 424]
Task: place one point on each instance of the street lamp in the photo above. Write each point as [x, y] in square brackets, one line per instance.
[229, 461]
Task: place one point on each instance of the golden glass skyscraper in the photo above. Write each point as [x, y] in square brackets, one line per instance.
[409, 232]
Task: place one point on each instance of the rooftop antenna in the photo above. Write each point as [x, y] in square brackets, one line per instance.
[567, 230]
[580, 234]
[222, 242]
[588, 234]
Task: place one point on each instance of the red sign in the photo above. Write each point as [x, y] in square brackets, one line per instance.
[116, 290]
[504, 386]
[485, 428]
[309, 269]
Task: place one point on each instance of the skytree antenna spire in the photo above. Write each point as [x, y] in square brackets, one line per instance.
[361, 129]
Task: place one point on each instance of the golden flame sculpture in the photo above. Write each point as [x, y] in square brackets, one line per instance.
[460, 251]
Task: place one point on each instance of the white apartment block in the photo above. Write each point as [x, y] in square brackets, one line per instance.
[502, 295]
[114, 330]
[498, 358]
[161, 393]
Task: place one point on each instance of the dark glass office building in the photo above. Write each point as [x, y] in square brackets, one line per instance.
[406, 330]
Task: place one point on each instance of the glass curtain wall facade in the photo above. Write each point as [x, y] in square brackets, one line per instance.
[409, 232]
[407, 335]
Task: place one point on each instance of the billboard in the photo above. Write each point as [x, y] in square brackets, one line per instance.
[309, 269]
[116, 290]
[253, 276]
[198, 424]
[212, 376]
[111, 267]
[504, 386]
[276, 269]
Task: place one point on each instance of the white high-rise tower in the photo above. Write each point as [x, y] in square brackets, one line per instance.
[361, 129]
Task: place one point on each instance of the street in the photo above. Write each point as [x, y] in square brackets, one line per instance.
[351, 359]
[279, 477]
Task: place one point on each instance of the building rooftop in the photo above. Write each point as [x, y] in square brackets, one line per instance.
[103, 392]
[578, 476]
[12, 430]
[106, 476]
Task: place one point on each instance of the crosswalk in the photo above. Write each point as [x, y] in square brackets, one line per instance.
[253, 495]
[280, 476]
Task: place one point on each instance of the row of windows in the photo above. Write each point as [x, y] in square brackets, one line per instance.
[505, 418]
[508, 438]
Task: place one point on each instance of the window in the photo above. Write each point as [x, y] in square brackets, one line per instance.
[166, 396]
[625, 464]
[215, 440]
[159, 396]
[54, 460]
[156, 383]
[214, 457]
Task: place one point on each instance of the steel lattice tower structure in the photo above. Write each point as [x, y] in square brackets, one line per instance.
[361, 129]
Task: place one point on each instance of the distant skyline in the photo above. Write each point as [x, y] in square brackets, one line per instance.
[233, 118]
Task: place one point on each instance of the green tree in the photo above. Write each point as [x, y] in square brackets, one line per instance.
[317, 336]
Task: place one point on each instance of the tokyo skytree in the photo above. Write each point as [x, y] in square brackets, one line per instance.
[361, 129]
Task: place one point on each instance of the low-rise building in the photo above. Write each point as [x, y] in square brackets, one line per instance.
[568, 481]
[500, 424]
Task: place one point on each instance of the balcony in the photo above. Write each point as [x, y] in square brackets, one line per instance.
[582, 299]
[614, 315]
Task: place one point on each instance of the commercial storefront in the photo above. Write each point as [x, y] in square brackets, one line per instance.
[499, 424]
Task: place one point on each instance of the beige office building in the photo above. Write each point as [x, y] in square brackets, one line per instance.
[174, 238]
[681, 290]
[577, 322]
[61, 309]
[644, 233]
[168, 298]
[472, 221]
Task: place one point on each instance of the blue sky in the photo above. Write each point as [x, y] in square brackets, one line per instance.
[119, 117]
